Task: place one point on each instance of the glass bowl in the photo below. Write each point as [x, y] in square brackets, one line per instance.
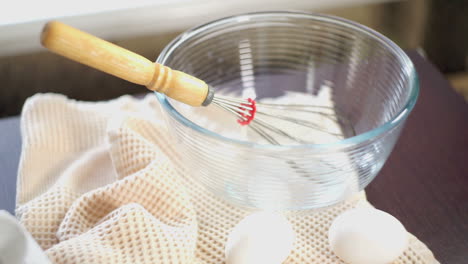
[367, 77]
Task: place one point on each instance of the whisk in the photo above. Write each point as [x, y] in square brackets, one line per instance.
[112, 59]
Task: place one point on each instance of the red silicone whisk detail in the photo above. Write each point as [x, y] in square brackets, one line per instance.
[250, 117]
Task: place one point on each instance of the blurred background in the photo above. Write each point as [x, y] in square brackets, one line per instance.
[435, 28]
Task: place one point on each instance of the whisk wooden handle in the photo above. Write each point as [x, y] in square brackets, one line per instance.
[112, 59]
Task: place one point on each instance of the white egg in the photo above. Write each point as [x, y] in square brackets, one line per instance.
[262, 237]
[367, 236]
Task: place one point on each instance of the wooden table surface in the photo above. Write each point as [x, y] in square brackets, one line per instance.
[425, 180]
[424, 183]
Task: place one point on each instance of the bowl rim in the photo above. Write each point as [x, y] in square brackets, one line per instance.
[396, 119]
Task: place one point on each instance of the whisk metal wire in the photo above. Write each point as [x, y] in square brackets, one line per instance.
[253, 114]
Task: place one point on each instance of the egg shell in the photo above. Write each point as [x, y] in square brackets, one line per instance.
[262, 237]
[367, 236]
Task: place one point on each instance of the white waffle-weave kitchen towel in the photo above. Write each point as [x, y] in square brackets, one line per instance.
[100, 183]
[16, 244]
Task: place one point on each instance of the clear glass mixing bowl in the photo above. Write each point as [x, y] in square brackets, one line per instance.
[371, 80]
